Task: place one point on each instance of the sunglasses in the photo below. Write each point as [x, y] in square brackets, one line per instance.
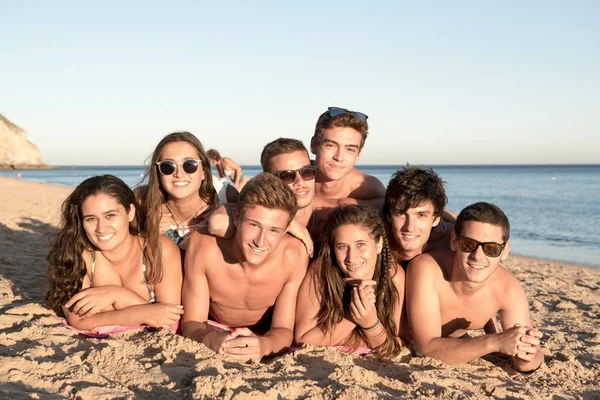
[490, 249]
[168, 167]
[335, 111]
[288, 176]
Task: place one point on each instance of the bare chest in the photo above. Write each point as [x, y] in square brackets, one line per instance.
[463, 313]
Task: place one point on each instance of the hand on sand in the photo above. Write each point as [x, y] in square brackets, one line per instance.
[91, 301]
[162, 315]
[362, 303]
[520, 341]
[243, 345]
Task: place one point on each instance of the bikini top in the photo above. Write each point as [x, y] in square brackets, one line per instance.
[151, 294]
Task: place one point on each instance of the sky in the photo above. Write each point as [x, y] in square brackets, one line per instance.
[443, 82]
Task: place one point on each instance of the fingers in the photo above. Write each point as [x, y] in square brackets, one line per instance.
[366, 296]
[242, 332]
[367, 284]
[535, 333]
[75, 298]
[308, 243]
[531, 340]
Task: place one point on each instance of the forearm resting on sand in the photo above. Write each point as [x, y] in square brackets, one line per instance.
[277, 341]
[201, 332]
[457, 351]
[157, 315]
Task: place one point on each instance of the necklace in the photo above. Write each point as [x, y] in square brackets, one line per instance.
[182, 228]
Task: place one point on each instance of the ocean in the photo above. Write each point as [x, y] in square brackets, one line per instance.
[554, 210]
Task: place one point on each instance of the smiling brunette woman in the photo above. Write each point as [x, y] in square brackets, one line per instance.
[180, 187]
[353, 293]
[102, 267]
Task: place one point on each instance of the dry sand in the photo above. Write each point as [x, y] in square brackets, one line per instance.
[40, 359]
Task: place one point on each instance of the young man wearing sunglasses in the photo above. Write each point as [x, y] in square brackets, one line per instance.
[247, 283]
[450, 293]
[338, 140]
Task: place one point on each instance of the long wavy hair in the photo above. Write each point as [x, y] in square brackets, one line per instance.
[331, 285]
[66, 267]
[153, 196]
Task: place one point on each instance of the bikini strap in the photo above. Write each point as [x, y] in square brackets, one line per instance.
[151, 294]
[93, 267]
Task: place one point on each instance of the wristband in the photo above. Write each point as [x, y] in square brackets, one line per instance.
[372, 327]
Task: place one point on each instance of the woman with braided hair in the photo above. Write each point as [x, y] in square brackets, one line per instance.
[353, 293]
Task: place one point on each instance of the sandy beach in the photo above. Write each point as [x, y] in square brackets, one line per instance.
[41, 359]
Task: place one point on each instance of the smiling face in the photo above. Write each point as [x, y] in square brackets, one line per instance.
[411, 229]
[181, 185]
[259, 232]
[105, 221]
[476, 267]
[303, 190]
[356, 251]
[337, 151]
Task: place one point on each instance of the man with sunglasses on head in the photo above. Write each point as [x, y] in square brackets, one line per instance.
[451, 293]
[288, 160]
[338, 140]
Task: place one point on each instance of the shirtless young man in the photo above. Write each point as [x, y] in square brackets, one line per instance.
[448, 293]
[248, 282]
[414, 203]
[339, 137]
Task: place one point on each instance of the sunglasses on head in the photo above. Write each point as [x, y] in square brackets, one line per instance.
[490, 249]
[288, 176]
[335, 111]
[168, 167]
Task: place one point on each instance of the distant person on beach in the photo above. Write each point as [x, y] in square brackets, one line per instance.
[353, 292]
[414, 203]
[240, 293]
[180, 190]
[227, 168]
[337, 143]
[449, 293]
[103, 267]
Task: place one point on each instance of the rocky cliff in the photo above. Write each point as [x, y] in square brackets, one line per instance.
[16, 152]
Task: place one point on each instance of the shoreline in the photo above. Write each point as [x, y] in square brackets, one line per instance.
[40, 358]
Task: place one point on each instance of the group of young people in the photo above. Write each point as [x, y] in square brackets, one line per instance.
[308, 252]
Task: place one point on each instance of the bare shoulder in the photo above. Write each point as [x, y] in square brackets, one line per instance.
[167, 247]
[398, 274]
[428, 265]
[200, 246]
[366, 186]
[505, 282]
[294, 252]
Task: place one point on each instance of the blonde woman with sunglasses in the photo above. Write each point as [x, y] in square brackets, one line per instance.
[180, 190]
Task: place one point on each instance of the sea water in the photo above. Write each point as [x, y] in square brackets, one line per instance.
[554, 210]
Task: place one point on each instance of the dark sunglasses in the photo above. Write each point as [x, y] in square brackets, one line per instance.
[490, 249]
[288, 176]
[168, 167]
[335, 111]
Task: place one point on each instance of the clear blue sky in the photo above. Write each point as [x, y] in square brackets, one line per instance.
[443, 82]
